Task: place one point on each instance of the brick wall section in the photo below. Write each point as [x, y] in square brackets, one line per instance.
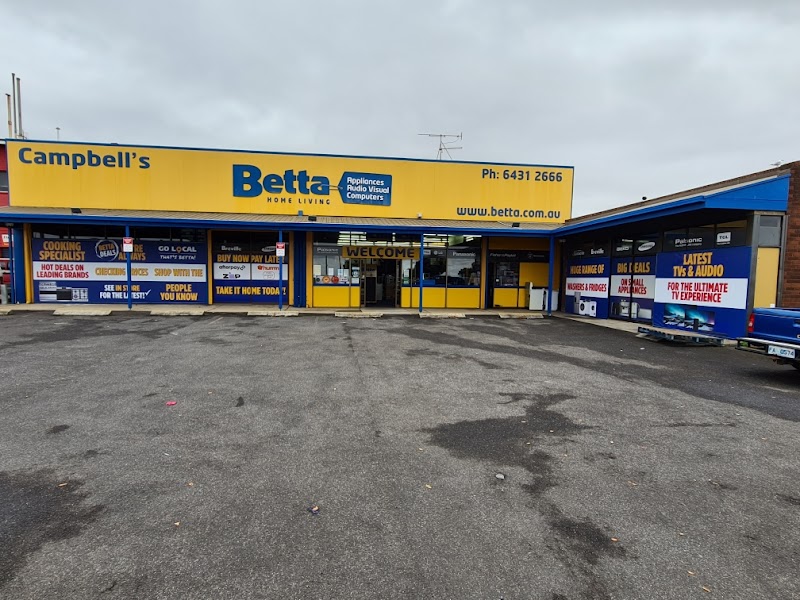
[790, 291]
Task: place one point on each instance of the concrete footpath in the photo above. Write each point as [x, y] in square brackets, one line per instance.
[188, 310]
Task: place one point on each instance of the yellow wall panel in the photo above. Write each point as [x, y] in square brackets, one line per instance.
[463, 297]
[506, 298]
[431, 297]
[766, 285]
[533, 272]
[79, 175]
[405, 296]
[333, 297]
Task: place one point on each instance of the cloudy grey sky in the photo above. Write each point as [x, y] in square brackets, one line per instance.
[642, 97]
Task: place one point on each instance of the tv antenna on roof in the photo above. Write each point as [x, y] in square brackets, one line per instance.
[444, 145]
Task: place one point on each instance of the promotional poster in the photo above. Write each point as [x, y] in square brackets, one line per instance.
[633, 282]
[703, 291]
[248, 273]
[95, 271]
[587, 286]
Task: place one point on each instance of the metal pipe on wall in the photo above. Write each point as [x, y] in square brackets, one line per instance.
[421, 267]
[14, 103]
[19, 110]
[280, 272]
[550, 275]
[11, 266]
[128, 270]
[8, 108]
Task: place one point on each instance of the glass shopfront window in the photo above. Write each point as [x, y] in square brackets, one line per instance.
[622, 247]
[507, 274]
[382, 269]
[463, 266]
[90, 232]
[769, 231]
[693, 238]
[731, 234]
[706, 237]
[447, 263]
[647, 245]
[434, 268]
[330, 268]
[247, 269]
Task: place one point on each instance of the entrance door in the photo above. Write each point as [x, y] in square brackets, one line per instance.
[502, 289]
[380, 285]
[491, 279]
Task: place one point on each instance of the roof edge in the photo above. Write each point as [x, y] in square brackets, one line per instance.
[784, 169]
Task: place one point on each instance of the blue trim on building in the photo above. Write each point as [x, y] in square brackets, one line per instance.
[299, 250]
[262, 225]
[771, 195]
[19, 290]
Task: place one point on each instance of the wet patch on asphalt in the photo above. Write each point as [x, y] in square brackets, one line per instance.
[503, 440]
[585, 538]
[511, 442]
[515, 397]
[683, 424]
[427, 352]
[526, 347]
[83, 328]
[723, 486]
[37, 508]
[789, 499]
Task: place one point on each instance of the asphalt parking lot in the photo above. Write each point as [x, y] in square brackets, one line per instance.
[631, 469]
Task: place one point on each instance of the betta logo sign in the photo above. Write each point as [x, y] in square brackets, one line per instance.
[106, 250]
[248, 182]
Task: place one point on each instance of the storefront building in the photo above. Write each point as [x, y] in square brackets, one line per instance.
[213, 227]
[321, 231]
[697, 262]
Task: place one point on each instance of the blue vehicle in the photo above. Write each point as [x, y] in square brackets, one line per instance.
[774, 332]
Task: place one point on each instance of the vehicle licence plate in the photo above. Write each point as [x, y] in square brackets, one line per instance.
[782, 352]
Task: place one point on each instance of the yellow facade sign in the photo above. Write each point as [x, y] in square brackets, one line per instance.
[53, 174]
[383, 252]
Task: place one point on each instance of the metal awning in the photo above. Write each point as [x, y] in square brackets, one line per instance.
[164, 218]
[765, 191]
